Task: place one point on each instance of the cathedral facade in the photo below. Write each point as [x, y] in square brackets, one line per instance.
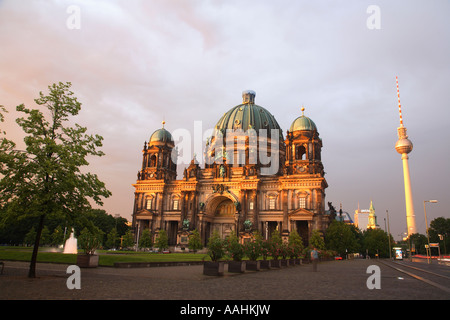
[253, 179]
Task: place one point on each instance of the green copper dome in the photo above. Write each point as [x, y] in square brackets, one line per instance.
[303, 123]
[247, 116]
[161, 135]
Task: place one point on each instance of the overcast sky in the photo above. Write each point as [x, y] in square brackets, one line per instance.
[136, 63]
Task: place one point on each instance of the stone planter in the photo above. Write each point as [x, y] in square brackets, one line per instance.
[275, 263]
[264, 264]
[253, 265]
[236, 266]
[87, 260]
[213, 268]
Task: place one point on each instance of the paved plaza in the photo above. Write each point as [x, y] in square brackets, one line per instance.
[335, 280]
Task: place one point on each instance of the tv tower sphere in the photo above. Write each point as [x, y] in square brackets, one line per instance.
[404, 146]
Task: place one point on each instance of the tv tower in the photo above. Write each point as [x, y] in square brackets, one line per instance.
[405, 146]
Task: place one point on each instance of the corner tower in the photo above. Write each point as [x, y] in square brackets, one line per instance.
[157, 162]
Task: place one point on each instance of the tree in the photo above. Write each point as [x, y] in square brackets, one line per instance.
[163, 241]
[316, 240]
[112, 239]
[376, 241]
[146, 239]
[128, 240]
[57, 236]
[440, 233]
[195, 241]
[340, 238]
[45, 180]
[418, 241]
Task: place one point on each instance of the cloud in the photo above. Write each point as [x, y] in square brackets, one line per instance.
[136, 63]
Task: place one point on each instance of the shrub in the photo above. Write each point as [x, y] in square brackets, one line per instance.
[215, 247]
[234, 248]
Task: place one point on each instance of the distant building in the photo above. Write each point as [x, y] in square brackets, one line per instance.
[366, 219]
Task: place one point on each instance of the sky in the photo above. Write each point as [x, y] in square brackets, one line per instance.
[134, 64]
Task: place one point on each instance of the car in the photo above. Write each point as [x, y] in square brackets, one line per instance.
[338, 258]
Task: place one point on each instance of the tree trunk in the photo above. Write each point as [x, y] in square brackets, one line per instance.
[32, 271]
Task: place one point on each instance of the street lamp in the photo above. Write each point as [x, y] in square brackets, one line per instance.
[426, 224]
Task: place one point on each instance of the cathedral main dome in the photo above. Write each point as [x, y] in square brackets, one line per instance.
[247, 116]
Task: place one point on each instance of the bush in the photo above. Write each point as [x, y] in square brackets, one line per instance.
[195, 241]
[90, 241]
[234, 248]
[215, 246]
[163, 241]
[253, 249]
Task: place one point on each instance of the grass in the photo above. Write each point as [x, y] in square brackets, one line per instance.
[106, 258]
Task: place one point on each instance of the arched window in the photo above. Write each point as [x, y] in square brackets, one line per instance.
[300, 153]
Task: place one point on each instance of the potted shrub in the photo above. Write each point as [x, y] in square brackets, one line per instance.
[235, 251]
[216, 251]
[89, 242]
[253, 251]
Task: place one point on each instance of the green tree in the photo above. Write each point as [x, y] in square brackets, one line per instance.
[128, 240]
[45, 236]
[45, 180]
[440, 229]
[295, 244]
[57, 237]
[146, 239]
[376, 241]
[30, 237]
[418, 241]
[195, 241]
[112, 239]
[163, 241]
[316, 240]
[340, 238]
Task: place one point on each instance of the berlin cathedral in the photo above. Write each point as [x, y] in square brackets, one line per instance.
[253, 179]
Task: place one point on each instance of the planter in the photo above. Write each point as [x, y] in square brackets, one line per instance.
[275, 263]
[264, 264]
[253, 265]
[87, 260]
[236, 266]
[213, 268]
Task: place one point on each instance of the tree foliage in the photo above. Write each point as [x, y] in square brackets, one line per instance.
[342, 238]
[46, 179]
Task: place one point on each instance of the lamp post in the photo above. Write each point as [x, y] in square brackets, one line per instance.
[426, 224]
[389, 236]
